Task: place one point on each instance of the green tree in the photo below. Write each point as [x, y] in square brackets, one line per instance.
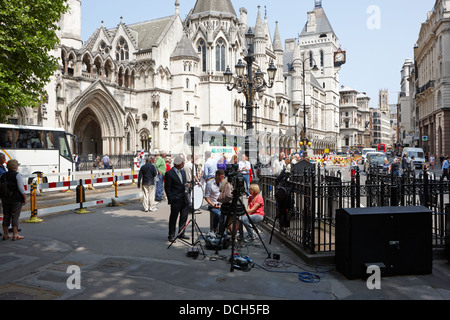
[27, 36]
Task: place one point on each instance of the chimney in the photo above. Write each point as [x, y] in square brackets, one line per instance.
[311, 25]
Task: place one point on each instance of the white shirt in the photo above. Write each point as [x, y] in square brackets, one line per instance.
[244, 167]
[188, 169]
[212, 191]
[278, 166]
[178, 172]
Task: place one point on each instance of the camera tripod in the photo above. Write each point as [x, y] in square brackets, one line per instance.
[233, 211]
[192, 252]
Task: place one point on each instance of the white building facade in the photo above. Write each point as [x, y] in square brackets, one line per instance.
[143, 85]
[432, 80]
[354, 119]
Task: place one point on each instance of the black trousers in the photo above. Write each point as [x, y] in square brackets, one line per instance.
[181, 210]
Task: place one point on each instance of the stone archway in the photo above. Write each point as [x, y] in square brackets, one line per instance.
[97, 107]
[87, 129]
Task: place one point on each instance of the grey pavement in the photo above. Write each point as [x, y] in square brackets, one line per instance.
[122, 253]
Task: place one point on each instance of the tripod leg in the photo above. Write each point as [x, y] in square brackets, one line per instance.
[179, 233]
[233, 237]
[273, 228]
[195, 224]
[257, 231]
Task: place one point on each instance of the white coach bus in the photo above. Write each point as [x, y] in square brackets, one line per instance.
[218, 143]
[38, 150]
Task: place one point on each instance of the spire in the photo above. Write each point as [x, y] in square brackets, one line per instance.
[277, 44]
[318, 22]
[184, 49]
[177, 7]
[259, 27]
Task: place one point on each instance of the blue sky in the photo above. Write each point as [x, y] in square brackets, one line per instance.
[378, 35]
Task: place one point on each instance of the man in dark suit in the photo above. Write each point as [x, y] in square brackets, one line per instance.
[175, 187]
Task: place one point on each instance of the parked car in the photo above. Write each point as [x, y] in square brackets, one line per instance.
[374, 159]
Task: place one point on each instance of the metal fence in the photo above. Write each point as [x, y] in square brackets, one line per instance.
[316, 194]
[117, 162]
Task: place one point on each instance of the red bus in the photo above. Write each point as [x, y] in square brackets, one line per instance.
[381, 147]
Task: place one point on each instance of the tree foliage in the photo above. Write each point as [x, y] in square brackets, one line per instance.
[27, 37]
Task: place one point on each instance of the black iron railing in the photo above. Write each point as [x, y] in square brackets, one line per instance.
[317, 194]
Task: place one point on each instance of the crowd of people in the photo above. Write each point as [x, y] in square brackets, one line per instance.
[164, 177]
[161, 177]
[284, 162]
[404, 164]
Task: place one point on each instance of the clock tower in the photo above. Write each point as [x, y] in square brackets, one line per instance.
[319, 43]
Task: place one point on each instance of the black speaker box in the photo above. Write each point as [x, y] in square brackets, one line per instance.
[397, 239]
[447, 230]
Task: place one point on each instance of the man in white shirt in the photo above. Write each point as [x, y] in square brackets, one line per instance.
[244, 168]
[188, 169]
[212, 192]
[279, 164]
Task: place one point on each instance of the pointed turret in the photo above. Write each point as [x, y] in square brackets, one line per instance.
[177, 7]
[318, 22]
[259, 26]
[184, 49]
[277, 43]
[218, 6]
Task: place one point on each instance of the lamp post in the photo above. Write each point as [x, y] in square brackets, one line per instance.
[304, 140]
[249, 83]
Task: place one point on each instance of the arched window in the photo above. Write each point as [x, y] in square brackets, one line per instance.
[322, 59]
[220, 55]
[202, 52]
[122, 50]
[187, 83]
[311, 59]
[103, 47]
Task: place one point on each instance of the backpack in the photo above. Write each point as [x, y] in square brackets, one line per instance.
[285, 204]
[8, 187]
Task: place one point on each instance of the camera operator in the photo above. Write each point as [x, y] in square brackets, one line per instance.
[212, 192]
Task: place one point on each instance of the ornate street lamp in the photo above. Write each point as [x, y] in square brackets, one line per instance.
[304, 142]
[249, 83]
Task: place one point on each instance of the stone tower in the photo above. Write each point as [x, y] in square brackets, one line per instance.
[70, 25]
[383, 101]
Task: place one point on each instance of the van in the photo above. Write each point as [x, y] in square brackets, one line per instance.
[364, 153]
[417, 153]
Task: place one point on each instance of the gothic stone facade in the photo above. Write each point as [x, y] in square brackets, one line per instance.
[160, 77]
